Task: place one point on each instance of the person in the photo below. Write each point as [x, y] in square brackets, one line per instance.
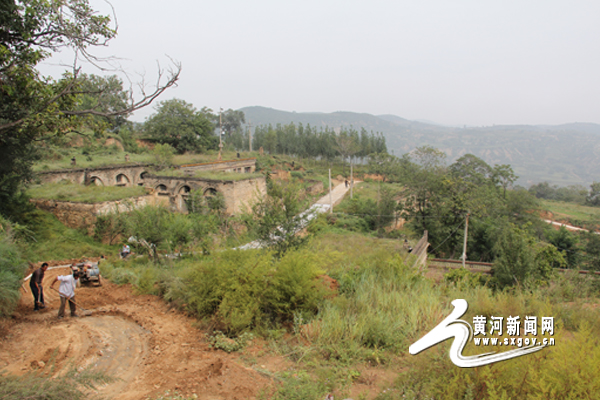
[66, 291]
[346, 182]
[73, 161]
[125, 251]
[37, 289]
[126, 157]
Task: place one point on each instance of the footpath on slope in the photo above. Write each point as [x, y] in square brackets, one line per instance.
[320, 206]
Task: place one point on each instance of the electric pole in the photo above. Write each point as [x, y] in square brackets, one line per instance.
[330, 195]
[464, 254]
[351, 180]
[250, 135]
[220, 134]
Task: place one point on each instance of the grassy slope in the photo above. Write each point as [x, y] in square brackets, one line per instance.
[575, 214]
[118, 157]
[562, 209]
[83, 194]
[51, 240]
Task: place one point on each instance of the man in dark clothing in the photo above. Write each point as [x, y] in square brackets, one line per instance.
[36, 287]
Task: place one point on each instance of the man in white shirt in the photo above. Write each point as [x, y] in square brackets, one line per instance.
[125, 251]
[67, 292]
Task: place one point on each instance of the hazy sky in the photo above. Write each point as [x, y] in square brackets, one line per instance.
[449, 61]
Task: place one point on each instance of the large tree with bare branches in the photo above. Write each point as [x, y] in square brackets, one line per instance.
[34, 107]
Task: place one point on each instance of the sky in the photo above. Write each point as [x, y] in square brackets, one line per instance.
[453, 62]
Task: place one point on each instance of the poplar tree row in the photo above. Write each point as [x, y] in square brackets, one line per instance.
[307, 141]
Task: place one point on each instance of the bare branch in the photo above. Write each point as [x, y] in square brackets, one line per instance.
[146, 99]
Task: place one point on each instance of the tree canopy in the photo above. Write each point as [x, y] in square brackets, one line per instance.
[34, 107]
[180, 125]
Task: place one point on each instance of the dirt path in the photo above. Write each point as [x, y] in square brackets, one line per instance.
[137, 339]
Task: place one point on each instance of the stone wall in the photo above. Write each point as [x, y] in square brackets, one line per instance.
[238, 195]
[84, 215]
[117, 175]
[169, 191]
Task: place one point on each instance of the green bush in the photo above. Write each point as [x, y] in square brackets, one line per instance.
[12, 268]
[462, 277]
[219, 341]
[351, 223]
[245, 289]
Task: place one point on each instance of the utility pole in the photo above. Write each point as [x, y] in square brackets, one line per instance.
[330, 195]
[250, 135]
[464, 254]
[378, 209]
[220, 134]
[351, 180]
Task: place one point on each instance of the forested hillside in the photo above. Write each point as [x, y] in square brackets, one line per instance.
[563, 155]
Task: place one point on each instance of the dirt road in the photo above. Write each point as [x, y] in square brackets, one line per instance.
[137, 339]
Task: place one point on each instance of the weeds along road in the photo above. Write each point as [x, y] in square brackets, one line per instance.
[148, 347]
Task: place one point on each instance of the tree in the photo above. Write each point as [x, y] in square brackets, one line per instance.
[347, 145]
[566, 241]
[163, 155]
[276, 218]
[33, 107]
[472, 169]
[594, 196]
[504, 175]
[106, 95]
[180, 125]
[515, 256]
[232, 121]
[156, 227]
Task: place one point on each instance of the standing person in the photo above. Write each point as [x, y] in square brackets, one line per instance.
[35, 283]
[67, 292]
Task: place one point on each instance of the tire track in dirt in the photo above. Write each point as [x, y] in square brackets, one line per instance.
[138, 339]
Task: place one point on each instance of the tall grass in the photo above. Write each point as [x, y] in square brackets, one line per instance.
[51, 240]
[381, 306]
[12, 268]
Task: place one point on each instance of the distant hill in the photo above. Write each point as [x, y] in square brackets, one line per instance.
[563, 154]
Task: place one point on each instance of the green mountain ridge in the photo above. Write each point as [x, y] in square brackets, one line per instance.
[566, 154]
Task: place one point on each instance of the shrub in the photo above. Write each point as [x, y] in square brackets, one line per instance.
[12, 268]
[219, 341]
[464, 278]
[244, 289]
